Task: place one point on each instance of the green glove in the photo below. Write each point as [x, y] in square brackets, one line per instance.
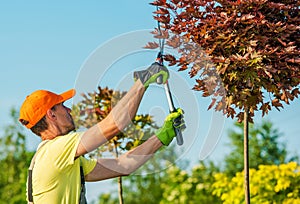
[166, 133]
[152, 74]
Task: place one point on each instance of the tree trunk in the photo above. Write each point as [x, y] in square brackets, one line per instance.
[120, 187]
[246, 156]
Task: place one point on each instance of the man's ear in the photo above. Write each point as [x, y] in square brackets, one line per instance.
[50, 114]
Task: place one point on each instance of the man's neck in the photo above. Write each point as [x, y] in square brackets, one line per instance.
[51, 133]
[48, 136]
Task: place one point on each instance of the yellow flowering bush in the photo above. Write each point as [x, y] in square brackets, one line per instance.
[269, 184]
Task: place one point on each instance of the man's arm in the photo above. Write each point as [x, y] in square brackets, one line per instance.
[120, 116]
[126, 163]
[132, 160]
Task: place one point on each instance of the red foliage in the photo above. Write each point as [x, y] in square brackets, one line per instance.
[238, 50]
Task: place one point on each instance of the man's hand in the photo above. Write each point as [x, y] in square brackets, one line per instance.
[152, 74]
[166, 133]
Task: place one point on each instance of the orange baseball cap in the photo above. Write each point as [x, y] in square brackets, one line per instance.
[35, 106]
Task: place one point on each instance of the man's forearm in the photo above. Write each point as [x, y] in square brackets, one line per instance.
[136, 157]
[120, 116]
[126, 163]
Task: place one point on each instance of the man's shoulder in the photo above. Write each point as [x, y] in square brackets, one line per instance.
[62, 143]
[69, 136]
[62, 149]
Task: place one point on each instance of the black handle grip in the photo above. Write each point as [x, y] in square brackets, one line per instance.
[177, 126]
[179, 137]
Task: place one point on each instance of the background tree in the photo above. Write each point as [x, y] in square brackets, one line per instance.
[94, 107]
[265, 148]
[14, 162]
[190, 187]
[245, 54]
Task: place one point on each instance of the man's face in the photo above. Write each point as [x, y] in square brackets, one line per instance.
[64, 119]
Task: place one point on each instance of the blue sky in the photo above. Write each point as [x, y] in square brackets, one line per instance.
[47, 44]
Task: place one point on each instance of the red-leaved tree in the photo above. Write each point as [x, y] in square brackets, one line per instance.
[244, 54]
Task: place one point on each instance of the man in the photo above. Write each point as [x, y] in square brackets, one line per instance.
[56, 171]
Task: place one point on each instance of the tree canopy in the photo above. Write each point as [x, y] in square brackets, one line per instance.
[243, 53]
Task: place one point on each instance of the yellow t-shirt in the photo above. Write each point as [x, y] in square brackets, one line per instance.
[56, 175]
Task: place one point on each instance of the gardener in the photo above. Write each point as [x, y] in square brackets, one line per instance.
[58, 161]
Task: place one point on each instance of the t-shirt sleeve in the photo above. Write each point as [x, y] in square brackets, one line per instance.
[87, 164]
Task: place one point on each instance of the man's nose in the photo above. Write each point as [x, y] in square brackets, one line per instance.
[68, 109]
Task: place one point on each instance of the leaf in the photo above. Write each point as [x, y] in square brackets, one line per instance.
[293, 60]
[232, 76]
[290, 49]
[268, 73]
[171, 59]
[265, 107]
[175, 1]
[164, 34]
[152, 45]
[253, 43]
[284, 97]
[161, 11]
[199, 86]
[296, 92]
[205, 93]
[240, 117]
[247, 17]
[229, 100]
[277, 104]
[183, 67]
[190, 9]
[174, 42]
[230, 112]
[220, 106]
[159, 3]
[212, 103]
[163, 19]
[281, 42]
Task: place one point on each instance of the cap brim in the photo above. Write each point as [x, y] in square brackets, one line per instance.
[68, 94]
